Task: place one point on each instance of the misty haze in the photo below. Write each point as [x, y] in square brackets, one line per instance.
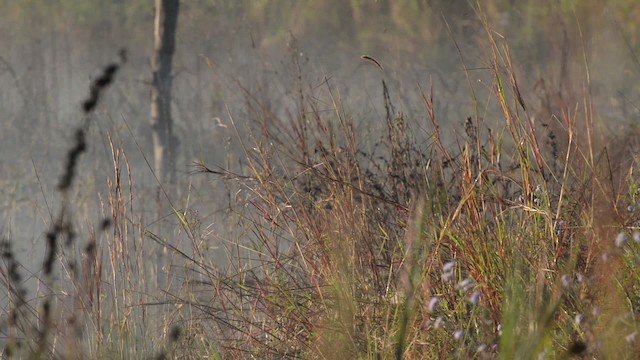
[409, 179]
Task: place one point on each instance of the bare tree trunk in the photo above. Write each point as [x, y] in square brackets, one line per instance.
[164, 141]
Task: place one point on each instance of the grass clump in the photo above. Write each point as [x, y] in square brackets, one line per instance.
[500, 246]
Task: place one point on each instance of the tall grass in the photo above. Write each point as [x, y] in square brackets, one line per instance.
[517, 239]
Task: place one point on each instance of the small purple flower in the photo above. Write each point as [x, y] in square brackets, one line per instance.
[447, 270]
[458, 335]
[631, 338]
[465, 284]
[448, 266]
[474, 298]
[578, 319]
[481, 348]
[621, 239]
[636, 236]
[438, 323]
[447, 276]
[433, 303]
[566, 280]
